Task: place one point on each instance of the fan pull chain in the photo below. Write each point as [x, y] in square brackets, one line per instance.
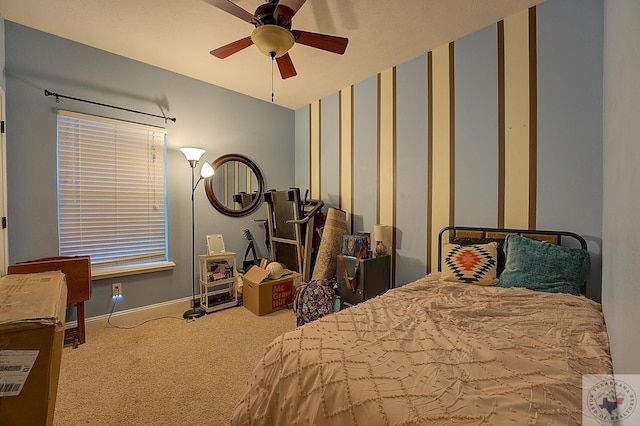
[273, 55]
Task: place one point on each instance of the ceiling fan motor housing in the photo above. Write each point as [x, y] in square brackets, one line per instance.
[264, 14]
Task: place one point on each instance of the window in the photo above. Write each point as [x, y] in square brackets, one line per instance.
[111, 194]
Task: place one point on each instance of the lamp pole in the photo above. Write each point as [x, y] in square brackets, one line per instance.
[194, 312]
[193, 156]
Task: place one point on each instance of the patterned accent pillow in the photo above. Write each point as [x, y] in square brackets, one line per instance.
[473, 264]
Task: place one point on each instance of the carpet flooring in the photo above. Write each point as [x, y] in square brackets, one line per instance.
[165, 372]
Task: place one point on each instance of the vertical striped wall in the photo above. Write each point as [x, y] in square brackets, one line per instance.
[302, 155]
[570, 125]
[365, 154]
[411, 169]
[315, 152]
[386, 208]
[471, 133]
[476, 100]
[518, 112]
[441, 147]
[346, 153]
[330, 152]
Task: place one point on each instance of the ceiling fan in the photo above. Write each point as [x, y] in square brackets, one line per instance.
[273, 34]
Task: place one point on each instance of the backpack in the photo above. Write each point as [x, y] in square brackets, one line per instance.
[314, 300]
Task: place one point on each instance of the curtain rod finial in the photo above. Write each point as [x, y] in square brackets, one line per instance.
[48, 93]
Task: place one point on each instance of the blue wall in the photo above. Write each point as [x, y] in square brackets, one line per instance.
[411, 140]
[215, 119]
[330, 155]
[365, 154]
[621, 235]
[476, 153]
[570, 108]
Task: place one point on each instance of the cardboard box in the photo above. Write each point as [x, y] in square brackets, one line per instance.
[262, 295]
[32, 315]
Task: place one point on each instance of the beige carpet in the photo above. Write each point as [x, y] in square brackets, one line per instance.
[165, 372]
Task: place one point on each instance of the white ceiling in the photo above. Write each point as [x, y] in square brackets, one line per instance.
[177, 35]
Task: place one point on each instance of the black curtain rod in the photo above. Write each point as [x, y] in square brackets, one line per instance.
[58, 96]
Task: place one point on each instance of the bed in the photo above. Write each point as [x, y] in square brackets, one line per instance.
[438, 351]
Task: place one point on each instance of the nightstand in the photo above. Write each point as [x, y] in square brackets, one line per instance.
[374, 278]
[218, 281]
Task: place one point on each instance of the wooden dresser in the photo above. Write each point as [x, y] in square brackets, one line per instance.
[77, 270]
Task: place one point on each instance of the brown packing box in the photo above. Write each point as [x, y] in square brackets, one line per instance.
[261, 295]
[32, 315]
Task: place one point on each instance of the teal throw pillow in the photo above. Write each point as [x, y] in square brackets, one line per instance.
[542, 266]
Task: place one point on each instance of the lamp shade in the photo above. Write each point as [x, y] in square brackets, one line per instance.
[380, 232]
[206, 171]
[272, 39]
[192, 154]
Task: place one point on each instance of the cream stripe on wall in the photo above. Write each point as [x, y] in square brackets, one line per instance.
[517, 171]
[314, 150]
[387, 153]
[441, 144]
[386, 147]
[533, 118]
[346, 154]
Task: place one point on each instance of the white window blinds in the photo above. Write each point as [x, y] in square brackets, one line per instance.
[111, 191]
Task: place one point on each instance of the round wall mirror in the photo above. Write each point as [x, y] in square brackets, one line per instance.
[236, 187]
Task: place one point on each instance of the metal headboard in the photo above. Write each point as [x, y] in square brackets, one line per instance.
[466, 235]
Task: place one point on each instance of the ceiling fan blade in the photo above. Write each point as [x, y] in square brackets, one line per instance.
[285, 65]
[231, 48]
[285, 10]
[234, 9]
[321, 41]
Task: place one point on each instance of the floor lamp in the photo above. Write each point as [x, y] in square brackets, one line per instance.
[193, 156]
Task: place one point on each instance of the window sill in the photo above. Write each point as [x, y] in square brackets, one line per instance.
[131, 270]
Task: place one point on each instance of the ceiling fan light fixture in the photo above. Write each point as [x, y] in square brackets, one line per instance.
[272, 38]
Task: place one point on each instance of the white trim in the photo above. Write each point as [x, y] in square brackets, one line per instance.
[136, 315]
[131, 270]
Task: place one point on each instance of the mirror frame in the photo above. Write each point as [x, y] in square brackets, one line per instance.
[218, 162]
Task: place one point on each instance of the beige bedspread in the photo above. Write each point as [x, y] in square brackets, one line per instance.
[433, 353]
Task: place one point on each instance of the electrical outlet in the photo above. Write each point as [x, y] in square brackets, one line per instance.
[116, 289]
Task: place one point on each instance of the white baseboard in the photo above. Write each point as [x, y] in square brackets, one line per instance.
[136, 315]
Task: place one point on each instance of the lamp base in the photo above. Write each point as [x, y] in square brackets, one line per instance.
[194, 313]
[381, 250]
